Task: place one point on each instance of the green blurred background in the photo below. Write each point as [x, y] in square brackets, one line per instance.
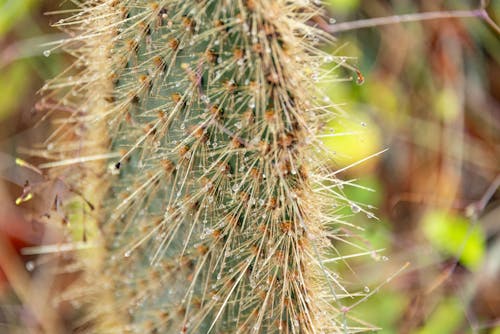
[431, 96]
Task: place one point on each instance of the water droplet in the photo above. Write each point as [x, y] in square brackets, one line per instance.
[315, 76]
[112, 169]
[355, 208]
[46, 53]
[384, 258]
[332, 20]
[30, 265]
[127, 254]
[328, 59]
[366, 289]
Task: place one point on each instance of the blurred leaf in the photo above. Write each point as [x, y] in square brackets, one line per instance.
[454, 235]
[445, 319]
[343, 5]
[12, 87]
[447, 105]
[352, 140]
[393, 305]
[13, 10]
[371, 192]
[378, 235]
[385, 98]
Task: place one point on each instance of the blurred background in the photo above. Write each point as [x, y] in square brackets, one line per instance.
[431, 95]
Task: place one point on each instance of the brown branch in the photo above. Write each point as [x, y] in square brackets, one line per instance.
[387, 20]
[480, 13]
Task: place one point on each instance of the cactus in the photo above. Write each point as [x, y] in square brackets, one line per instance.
[213, 214]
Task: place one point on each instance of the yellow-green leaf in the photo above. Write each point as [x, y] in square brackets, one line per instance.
[455, 235]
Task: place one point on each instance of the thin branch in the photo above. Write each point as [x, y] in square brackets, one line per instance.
[489, 21]
[480, 13]
[387, 20]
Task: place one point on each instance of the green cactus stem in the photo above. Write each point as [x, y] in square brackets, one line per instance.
[214, 215]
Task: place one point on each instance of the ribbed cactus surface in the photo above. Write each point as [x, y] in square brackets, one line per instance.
[213, 215]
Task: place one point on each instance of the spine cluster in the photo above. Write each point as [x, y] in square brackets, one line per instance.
[215, 213]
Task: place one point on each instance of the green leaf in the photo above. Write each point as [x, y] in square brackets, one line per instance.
[445, 319]
[350, 141]
[447, 104]
[13, 10]
[393, 305]
[454, 235]
[12, 87]
[343, 5]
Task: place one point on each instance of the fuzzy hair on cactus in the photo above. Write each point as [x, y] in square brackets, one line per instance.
[187, 133]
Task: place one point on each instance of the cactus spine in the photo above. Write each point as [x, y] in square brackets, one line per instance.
[212, 218]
